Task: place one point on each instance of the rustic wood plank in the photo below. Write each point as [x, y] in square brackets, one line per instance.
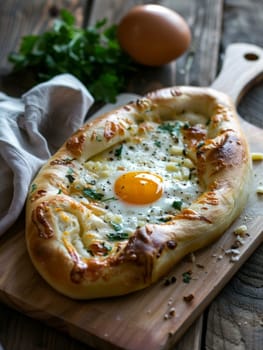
[24, 333]
[241, 19]
[200, 65]
[235, 318]
[192, 339]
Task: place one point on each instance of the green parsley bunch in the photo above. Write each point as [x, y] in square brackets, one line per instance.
[92, 54]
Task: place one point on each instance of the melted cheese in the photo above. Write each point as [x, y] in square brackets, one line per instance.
[158, 149]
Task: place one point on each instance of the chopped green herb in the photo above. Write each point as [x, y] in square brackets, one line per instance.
[67, 160]
[177, 204]
[187, 277]
[166, 127]
[208, 122]
[88, 192]
[92, 54]
[70, 171]
[165, 219]
[118, 151]
[200, 144]
[109, 199]
[104, 249]
[33, 187]
[71, 178]
[173, 129]
[157, 143]
[90, 182]
[99, 138]
[107, 247]
[117, 227]
[60, 191]
[90, 252]
[191, 170]
[117, 236]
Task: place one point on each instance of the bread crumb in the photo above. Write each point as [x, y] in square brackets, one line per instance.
[188, 298]
[234, 258]
[172, 312]
[240, 241]
[232, 251]
[169, 314]
[260, 189]
[241, 230]
[200, 266]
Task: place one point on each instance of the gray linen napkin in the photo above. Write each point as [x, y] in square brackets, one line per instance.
[31, 130]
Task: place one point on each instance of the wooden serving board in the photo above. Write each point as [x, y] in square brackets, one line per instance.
[156, 317]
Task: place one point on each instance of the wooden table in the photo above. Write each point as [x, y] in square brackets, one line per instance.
[234, 320]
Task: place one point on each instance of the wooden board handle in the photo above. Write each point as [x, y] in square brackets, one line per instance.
[243, 65]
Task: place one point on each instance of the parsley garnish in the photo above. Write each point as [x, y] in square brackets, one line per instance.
[200, 144]
[118, 151]
[99, 138]
[71, 178]
[166, 127]
[208, 122]
[107, 247]
[117, 227]
[157, 143]
[88, 192]
[33, 187]
[165, 219]
[117, 236]
[92, 54]
[187, 277]
[177, 204]
[109, 199]
[173, 129]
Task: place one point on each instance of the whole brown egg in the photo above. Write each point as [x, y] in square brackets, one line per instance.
[153, 35]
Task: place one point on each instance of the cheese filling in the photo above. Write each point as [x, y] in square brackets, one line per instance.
[149, 178]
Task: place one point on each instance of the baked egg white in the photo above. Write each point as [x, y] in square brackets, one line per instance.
[146, 179]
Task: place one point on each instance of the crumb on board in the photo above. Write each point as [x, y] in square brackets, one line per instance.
[201, 266]
[169, 314]
[169, 281]
[260, 189]
[234, 253]
[170, 301]
[187, 276]
[241, 230]
[190, 258]
[188, 298]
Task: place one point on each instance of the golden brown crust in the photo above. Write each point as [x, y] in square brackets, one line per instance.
[215, 144]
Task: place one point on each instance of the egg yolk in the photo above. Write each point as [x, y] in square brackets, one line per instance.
[137, 187]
